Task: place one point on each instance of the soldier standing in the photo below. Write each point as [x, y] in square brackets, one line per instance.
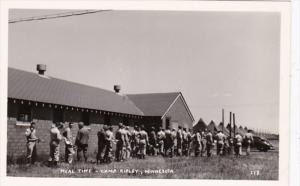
[203, 143]
[82, 140]
[152, 142]
[143, 142]
[167, 142]
[190, 141]
[238, 144]
[127, 148]
[69, 149]
[220, 137]
[179, 141]
[184, 142]
[173, 142]
[32, 139]
[55, 138]
[134, 141]
[101, 144]
[197, 143]
[161, 138]
[248, 141]
[209, 143]
[109, 138]
[120, 137]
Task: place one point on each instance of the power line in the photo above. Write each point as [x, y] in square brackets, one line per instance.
[55, 16]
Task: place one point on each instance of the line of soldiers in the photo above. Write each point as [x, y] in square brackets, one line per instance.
[135, 143]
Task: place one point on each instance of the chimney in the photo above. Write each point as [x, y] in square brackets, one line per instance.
[117, 88]
[41, 68]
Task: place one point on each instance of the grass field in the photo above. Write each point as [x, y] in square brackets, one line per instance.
[257, 166]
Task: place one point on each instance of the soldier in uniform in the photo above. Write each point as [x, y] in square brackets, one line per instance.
[209, 143]
[179, 141]
[134, 141]
[173, 142]
[32, 139]
[248, 140]
[152, 142]
[69, 148]
[55, 138]
[184, 142]
[203, 143]
[127, 148]
[82, 140]
[120, 137]
[197, 143]
[238, 144]
[190, 141]
[101, 144]
[143, 142]
[109, 139]
[220, 137]
[167, 142]
[161, 138]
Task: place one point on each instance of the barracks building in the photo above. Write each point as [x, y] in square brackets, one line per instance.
[44, 100]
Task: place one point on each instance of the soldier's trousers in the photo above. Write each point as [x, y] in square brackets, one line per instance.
[119, 151]
[69, 152]
[197, 149]
[161, 147]
[142, 148]
[220, 148]
[31, 152]
[185, 148]
[83, 148]
[54, 152]
[248, 149]
[101, 153]
[238, 150]
[108, 153]
[179, 148]
[203, 148]
[126, 151]
[208, 149]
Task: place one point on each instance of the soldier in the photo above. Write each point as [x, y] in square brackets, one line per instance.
[109, 139]
[203, 143]
[69, 148]
[173, 142]
[134, 141]
[32, 139]
[167, 142]
[82, 140]
[190, 141]
[120, 137]
[248, 141]
[209, 143]
[152, 142]
[238, 144]
[184, 142]
[220, 137]
[127, 148]
[143, 142]
[197, 143]
[55, 138]
[179, 141]
[161, 138]
[101, 144]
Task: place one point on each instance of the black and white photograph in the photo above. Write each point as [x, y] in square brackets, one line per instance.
[145, 94]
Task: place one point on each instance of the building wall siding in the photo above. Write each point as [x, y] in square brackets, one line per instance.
[178, 115]
[16, 140]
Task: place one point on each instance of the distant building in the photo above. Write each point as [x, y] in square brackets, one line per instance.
[37, 97]
[200, 126]
[212, 127]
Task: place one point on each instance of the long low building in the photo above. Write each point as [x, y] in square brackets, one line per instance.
[44, 100]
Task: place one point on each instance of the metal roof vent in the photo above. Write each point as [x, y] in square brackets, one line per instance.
[117, 88]
[41, 68]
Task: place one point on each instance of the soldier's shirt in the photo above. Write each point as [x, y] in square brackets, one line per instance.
[160, 135]
[197, 137]
[83, 136]
[209, 138]
[179, 135]
[239, 139]
[249, 136]
[55, 135]
[68, 136]
[220, 138]
[31, 135]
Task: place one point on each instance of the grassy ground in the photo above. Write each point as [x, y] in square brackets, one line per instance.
[257, 166]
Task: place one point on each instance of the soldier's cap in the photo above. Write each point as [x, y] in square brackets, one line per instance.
[121, 125]
[127, 127]
[80, 124]
[179, 127]
[32, 123]
[105, 127]
[71, 123]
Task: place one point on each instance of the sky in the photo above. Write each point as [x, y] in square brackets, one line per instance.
[217, 60]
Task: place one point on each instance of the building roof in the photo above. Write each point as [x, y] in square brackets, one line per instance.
[200, 126]
[212, 126]
[30, 86]
[157, 104]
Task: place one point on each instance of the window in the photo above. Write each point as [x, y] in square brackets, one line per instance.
[168, 122]
[57, 115]
[24, 113]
